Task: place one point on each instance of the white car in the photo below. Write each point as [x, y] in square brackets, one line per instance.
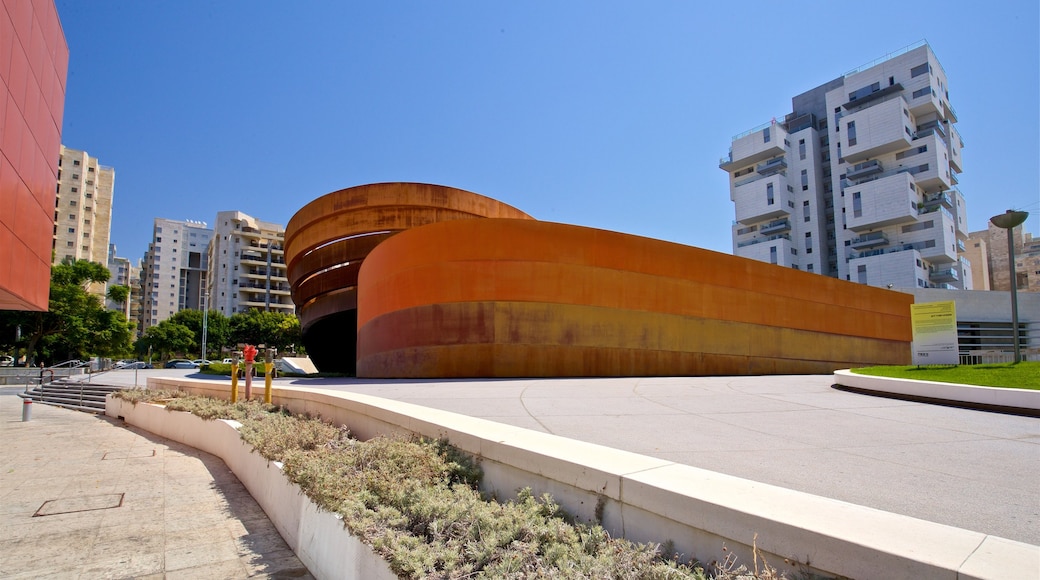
[6, 361]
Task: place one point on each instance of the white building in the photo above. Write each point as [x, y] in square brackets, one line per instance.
[173, 270]
[247, 266]
[859, 180]
[123, 274]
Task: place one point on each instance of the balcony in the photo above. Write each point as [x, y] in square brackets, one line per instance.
[761, 240]
[772, 166]
[943, 275]
[864, 170]
[775, 226]
[870, 240]
[882, 202]
[870, 93]
[935, 199]
[755, 145]
[880, 129]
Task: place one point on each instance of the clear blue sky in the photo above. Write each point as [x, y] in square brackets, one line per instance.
[603, 114]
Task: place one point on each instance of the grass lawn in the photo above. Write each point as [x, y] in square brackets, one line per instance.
[1024, 375]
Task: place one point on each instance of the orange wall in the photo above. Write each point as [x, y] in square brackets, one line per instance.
[33, 64]
[327, 240]
[501, 297]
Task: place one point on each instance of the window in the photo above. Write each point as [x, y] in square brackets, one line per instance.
[70, 244]
[88, 195]
[891, 81]
[920, 70]
[852, 133]
[805, 212]
[857, 205]
[805, 180]
[86, 222]
[72, 216]
[90, 170]
[801, 149]
[75, 162]
[75, 189]
[772, 255]
[72, 230]
[861, 274]
[769, 194]
[158, 239]
[922, 92]
[809, 268]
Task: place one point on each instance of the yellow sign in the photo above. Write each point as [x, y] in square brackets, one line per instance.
[935, 333]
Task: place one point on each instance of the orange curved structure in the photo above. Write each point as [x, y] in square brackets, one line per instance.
[327, 241]
[521, 298]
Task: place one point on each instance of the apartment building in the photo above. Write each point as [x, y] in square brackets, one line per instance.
[83, 210]
[988, 252]
[174, 270]
[859, 180]
[123, 274]
[247, 266]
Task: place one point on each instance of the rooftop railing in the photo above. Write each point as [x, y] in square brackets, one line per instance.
[888, 57]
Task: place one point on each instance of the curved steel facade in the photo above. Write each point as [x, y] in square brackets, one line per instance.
[328, 239]
[509, 296]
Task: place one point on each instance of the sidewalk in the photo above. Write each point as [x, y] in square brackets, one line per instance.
[83, 496]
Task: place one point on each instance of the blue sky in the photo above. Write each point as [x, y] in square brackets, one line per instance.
[603, 114]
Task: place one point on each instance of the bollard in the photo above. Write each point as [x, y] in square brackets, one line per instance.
[26, 409]
[234, 376]
[268, 368]
[250, 353]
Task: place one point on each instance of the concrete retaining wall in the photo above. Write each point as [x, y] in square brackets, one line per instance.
[699, 511]
[1015, 399]
[318, 538]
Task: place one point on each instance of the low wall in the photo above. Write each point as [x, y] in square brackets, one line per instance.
[318, 538]
[1023, 401]
[652, 500]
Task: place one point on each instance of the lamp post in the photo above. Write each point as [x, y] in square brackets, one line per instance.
[1008, 220]
[205, 322]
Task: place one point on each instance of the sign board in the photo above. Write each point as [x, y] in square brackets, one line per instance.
[935, 333]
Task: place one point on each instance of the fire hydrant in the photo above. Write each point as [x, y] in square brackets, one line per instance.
[250, 353]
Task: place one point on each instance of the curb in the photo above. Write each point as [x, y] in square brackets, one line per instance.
[1002, 400]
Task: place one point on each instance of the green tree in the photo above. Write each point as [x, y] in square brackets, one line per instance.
[118, 294]
[272, 329]
[218, 328]
[76, 323]
[167, 338]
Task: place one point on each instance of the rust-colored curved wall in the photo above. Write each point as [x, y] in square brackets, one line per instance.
[328, 239]
[515, 298]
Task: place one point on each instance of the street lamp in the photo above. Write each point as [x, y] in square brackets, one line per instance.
[1008, 220]
[205, 322]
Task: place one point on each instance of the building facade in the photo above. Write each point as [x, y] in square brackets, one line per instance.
[174, 270]
[858, 182]
[34, 58]
[247, 266]
[123, 274]
[83, 210]
[990, 247]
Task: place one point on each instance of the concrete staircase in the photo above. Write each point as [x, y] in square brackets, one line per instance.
[87, 397]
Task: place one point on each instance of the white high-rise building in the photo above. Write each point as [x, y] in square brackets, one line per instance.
[247, 266]
[174, 270]
[859, 180]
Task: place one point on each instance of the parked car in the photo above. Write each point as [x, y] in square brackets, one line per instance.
[228, 361]
[6, 361]
[201, 362]
[180, 363]
[134, 364]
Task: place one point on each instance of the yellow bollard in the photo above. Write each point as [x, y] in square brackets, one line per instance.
[235, 356]
[268, 368]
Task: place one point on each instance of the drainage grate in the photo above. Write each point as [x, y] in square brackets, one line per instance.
[128, 455]
[53, 507]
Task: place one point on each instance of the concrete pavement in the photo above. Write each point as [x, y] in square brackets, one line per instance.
[971, 469]
[82, 496]
[967, 468]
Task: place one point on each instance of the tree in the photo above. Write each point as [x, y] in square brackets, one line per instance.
[118, 294]
[76, 323]
[272, 329]
[218, 328]
[166, 338]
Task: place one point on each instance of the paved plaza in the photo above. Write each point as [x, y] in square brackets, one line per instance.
[83, 496]
[966, 468]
